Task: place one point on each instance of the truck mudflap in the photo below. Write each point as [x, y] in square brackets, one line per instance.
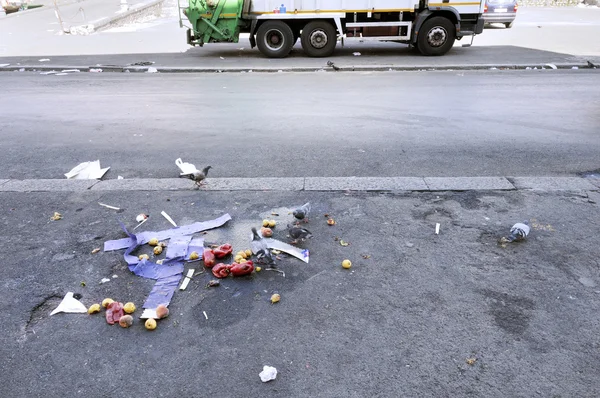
[479, 26]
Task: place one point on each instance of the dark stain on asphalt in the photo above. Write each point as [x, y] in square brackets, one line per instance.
[511, 313]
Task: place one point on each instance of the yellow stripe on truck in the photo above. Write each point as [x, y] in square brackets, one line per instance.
[453, 4]
[332, 11]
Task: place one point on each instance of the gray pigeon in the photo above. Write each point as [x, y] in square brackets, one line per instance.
[518, 232]
[301, 213]
[298, 233]
[335, 68]
[260, 248]
[197, 176]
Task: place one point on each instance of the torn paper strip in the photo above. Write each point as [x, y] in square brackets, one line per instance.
[301, 254]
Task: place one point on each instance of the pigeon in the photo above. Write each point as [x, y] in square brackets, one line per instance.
[197, 176]
[298, 233]
[336, 68]
[260, 248]
[518, 232]
[301, 213]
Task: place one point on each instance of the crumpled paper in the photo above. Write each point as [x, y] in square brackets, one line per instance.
[269, 373]
[87, 171]
[70, 304]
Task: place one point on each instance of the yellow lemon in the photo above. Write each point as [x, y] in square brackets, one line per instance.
[129, 308]
[150, 324]
[346, 264]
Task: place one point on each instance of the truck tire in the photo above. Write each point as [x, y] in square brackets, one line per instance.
[275, 39]
[318, 39]
[509, 25]
[436, 36]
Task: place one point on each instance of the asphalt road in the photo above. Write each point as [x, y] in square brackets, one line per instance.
[521, 123]
[418, 315]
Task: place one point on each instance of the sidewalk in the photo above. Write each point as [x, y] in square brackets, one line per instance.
[38, 31]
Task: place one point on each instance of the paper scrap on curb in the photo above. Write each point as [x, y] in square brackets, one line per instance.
[70, 304]
[301, 254]
[87, 171]
[169, 272]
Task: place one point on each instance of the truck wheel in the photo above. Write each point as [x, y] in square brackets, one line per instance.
[318, 39]
[436, 36]
[275, 39]
[509, 25]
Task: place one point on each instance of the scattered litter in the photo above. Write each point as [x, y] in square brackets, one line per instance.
[269, 373]
[61, 74]
[471, 361]
[152, 70]
[344, 243]
[437, 228]
[221, 57]
[493, 68]
[575, 67]
[169, 273]
[119, 177]
[50, 72]
[95, 70]
[187, 279]
[70, 304]
[115, 276]
[96, 250]
[356, 54]
[552, 66]
[141, 217]
[169, 219]
[44, 60]
[82, 283]
[57, 216]
[3, 65]
[528, 68]
[330, 221]
[205, 316]
[87, 171]
[409, 244]
[366, 256]
[70, 71]
[346, 264]
[213, 283]
[22, 70]
[104, 280]
[109, 206]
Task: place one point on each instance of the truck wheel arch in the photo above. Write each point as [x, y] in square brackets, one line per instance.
[448, 12]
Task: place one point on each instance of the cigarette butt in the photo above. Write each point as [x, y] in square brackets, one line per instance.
[437, 228]
[206, 316]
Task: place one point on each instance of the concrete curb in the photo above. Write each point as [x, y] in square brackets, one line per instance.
[365, 68]
[107, 21]
[323, 184]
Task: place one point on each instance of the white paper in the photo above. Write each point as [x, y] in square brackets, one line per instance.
[186, 168]
[169, 219]
[87, 171]
[300, 254]
[269, 373]
[70, 304]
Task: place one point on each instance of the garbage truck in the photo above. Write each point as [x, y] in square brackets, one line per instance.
[275, 26]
